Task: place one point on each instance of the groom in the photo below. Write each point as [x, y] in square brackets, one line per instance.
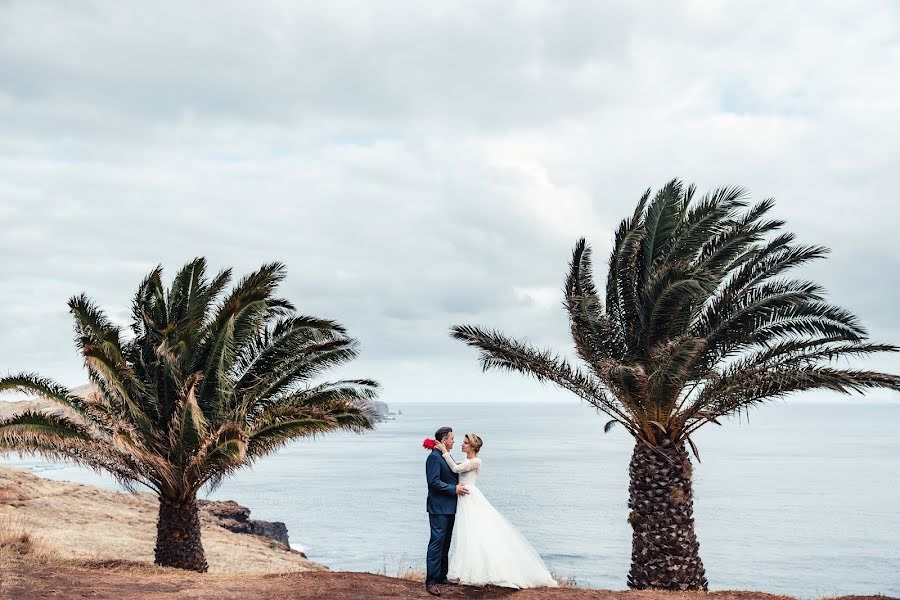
[443, 488]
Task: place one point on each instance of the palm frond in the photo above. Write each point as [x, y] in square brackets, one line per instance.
[176, 403]
[595, 336]
[701, 318]
[29, 426]
[739, 390]
[500, 352]
[42, 387]
[277, 425]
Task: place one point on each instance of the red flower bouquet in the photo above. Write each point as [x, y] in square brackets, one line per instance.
[428, 444]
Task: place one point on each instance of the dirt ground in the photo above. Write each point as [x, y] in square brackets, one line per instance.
[22, 579]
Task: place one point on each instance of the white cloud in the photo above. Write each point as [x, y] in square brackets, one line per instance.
[423, 164]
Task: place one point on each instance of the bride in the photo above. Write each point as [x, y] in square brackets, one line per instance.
[487, 549]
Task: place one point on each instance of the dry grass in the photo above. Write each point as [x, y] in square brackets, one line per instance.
[18, 543]
[399, 568]
[122, 566]
[96, 525]
[16, 538]
[565, 582]
[410, 574]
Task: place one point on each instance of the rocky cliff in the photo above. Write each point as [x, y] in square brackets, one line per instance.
[380, 411]
[234, 517]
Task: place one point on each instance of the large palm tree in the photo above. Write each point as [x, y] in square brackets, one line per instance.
[203, 384]
[699, 322]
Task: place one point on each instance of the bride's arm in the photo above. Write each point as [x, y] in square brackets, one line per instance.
[433, 475]
[466, 465]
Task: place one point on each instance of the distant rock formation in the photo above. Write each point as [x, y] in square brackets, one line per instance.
[9, 408]
[12, 408]
[234, 517]
[381, 411]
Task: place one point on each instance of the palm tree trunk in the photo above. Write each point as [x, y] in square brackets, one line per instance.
[178, 536]
[665, 553]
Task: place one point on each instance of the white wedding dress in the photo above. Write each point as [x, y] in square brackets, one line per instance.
[486, 548]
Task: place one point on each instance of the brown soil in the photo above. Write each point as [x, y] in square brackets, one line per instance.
[25, 580]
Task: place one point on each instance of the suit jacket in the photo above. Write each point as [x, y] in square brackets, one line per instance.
[441, 485]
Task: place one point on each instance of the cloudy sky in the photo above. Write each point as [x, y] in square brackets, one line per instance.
[420, 164]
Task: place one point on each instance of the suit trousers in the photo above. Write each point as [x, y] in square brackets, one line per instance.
[437, 561]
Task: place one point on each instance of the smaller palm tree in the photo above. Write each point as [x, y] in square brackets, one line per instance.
[698, 322]
[203, 385]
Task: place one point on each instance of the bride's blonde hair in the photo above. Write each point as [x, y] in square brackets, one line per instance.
[474, 441]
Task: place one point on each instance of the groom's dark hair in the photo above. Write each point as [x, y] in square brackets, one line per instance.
[441, 433]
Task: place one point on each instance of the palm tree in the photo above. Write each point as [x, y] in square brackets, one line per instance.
[203, 385]
[699, 322]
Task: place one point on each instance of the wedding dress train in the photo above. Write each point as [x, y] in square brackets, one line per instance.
[486, 548]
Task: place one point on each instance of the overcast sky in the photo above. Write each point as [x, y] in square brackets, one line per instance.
[421, 164]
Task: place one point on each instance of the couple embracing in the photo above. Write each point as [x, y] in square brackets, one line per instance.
[486, 548]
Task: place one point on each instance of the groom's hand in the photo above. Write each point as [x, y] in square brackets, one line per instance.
[462, 490]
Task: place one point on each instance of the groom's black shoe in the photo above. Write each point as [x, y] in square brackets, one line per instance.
[434, 590]
[450, 582]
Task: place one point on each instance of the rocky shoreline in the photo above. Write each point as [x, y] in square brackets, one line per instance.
[234, 517]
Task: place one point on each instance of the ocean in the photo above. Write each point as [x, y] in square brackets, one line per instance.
[802, 499]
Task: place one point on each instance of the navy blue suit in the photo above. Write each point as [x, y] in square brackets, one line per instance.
[441, 516]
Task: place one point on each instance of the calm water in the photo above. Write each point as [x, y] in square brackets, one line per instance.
[801, 500]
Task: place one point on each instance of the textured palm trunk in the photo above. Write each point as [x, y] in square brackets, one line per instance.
[178, 536]
[665, 553]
